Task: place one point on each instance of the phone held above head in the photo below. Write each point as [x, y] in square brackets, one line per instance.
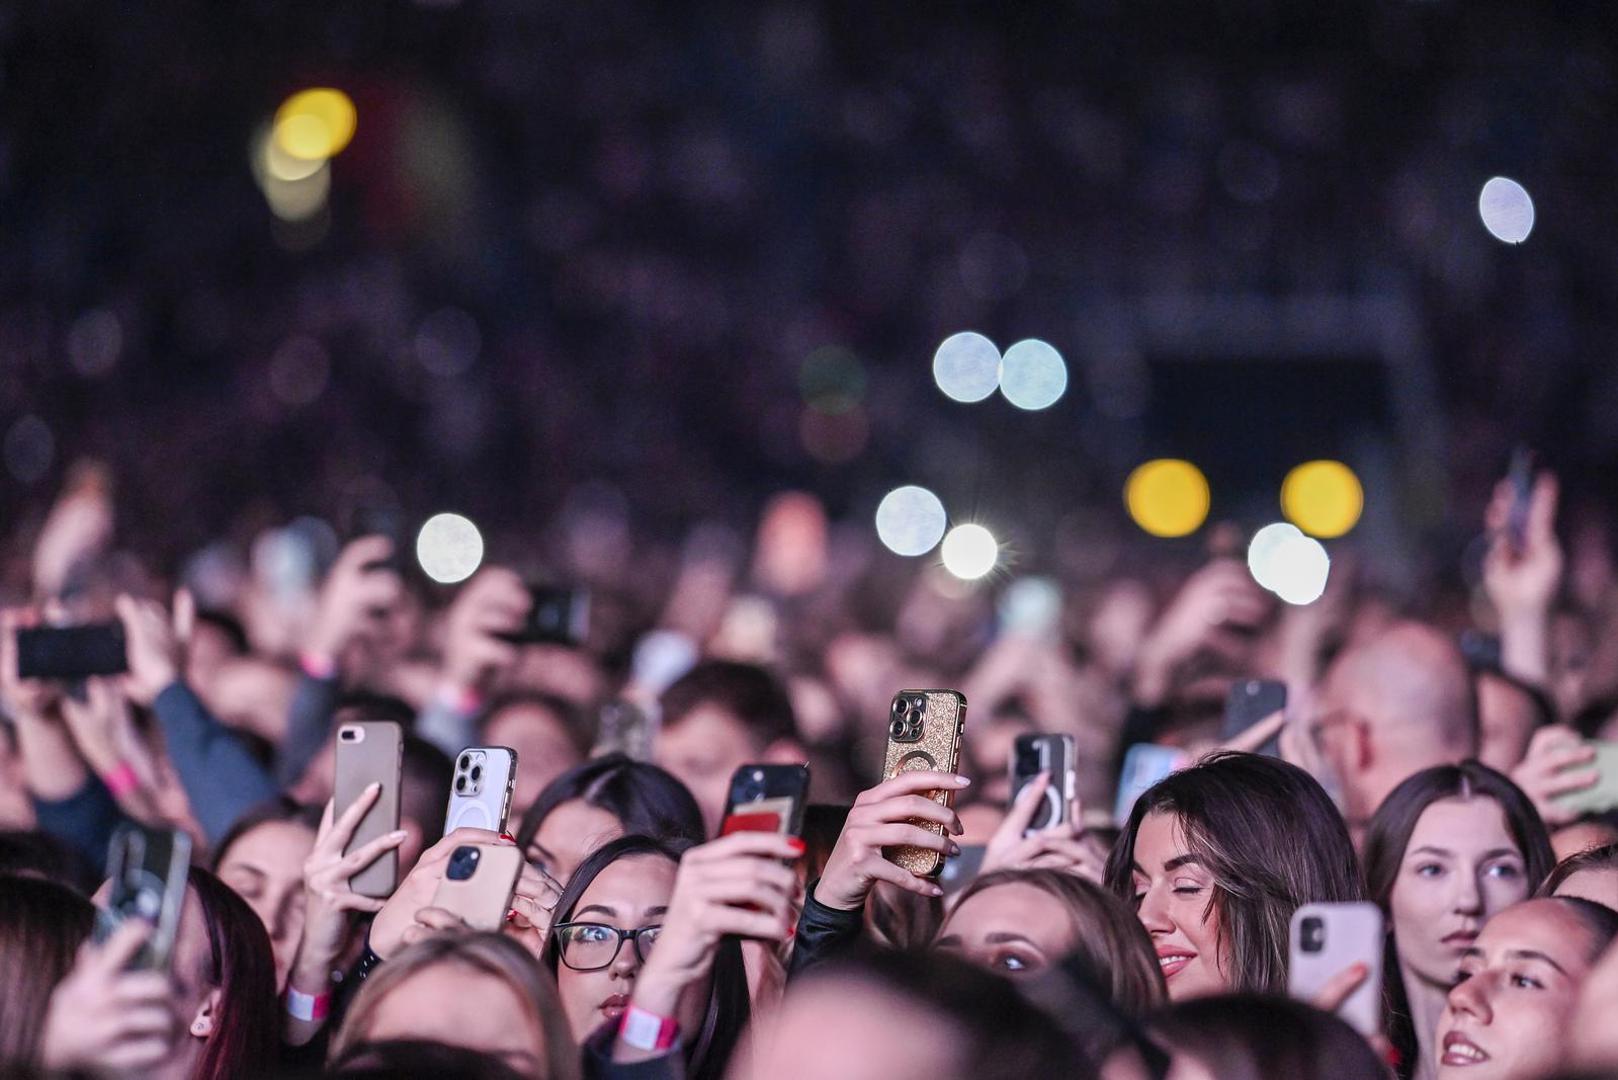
[925, 728]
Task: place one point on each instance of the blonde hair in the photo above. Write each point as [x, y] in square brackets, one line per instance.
[485, 954]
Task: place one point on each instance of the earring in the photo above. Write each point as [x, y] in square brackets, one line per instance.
[201, 1027]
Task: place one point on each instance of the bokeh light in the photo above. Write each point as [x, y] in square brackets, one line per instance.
[967, 367]
[1167, 497]
[315, 124]
[970, 551]
[1261, 551]
[1291, 565]
[1033, 375]
[449, 548]
[1323, 498]
[1507, 210]
[910, 520]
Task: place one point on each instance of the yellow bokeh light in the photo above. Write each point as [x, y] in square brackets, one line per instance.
[1323, 498]
[313, 125]
[1167, 497]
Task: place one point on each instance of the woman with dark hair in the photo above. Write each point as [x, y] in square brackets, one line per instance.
[629, 1003]
[1217, 857]
[601, 800]
[42, 925]
[1021, 922]
[1508, 1016]
[1591, 875]
[224, 984]
[1448, 848]
[907, 1016]
[1252, 1037]
[262, 857]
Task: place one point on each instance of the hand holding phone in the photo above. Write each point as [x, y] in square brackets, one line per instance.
[767, 798]
[555, 617]
[924, 735]
[146, 875]
[371, 752]
[71, 652]
[1051, 756]
[1601, 796]
[478, 884]
[1327, 941]
[882, 818]
[480, 794]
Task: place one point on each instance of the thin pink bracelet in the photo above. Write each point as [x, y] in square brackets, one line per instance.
[121, 780]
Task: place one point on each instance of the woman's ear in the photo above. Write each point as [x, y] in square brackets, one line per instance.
[202, 1024]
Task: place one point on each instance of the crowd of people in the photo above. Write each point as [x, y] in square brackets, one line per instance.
[1454, 789]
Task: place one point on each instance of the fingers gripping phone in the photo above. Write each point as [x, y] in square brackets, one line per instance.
[555, 617]
[767, 798]
[1053, 754]
[478, 884]
[1601, 796]
[1325, 939]
[924, 734]
[146, 869]
[371, 752]
[480, 795]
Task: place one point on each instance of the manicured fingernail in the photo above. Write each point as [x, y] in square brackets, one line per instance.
[792, 931]
[511, 915]
[374, 785]
[508, 838]
[796, 844]
[961, 781]
[954, 848]
[397, 834]
[934, 890]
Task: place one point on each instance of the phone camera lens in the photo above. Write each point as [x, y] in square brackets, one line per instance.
[466, 761]
[460, 783]
[477, 772]
[1312, 935]
[898, 728]
[918, 703]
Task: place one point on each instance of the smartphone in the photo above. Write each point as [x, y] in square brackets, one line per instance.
[1054, 754]
[924, 733]
[1325, 939]
[1480, 651]
[767, 798]
[961, 870]
[147, 870]
[71, 652]
[480, 795]
[555, 617]
[624, 728]
[1144, 765]
[1521, 474]
[371, 752]
[478, 884]
[1249, 701]
[1603, 794]
[387, 522]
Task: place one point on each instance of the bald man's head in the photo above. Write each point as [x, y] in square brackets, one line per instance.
[1395, 705]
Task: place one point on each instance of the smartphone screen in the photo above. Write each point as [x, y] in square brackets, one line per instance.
[71, 652]
[1249, 701]
[555, 617]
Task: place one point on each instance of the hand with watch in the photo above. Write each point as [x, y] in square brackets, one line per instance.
[737, 886]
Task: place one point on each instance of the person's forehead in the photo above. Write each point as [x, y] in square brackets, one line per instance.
[1461, 823]
[632, 883]
[1536, 926]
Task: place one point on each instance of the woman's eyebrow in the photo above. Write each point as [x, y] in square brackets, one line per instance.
[1534, 954]
[1188, 859]
[605, 909]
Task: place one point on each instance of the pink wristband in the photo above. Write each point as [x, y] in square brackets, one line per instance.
[318, 665]
[462, 700]
[121, 780]
[307, 1007]
[647, 1031]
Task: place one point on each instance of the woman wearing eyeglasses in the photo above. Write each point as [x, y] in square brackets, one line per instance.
[644, 945]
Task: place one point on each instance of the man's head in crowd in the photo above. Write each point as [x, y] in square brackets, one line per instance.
[719, 716]
[1395, 705]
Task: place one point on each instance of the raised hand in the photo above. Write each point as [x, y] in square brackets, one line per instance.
[330, 900]
[494, 602]
[882, 817]
[1062, 846]
[104, 1018]
[155, 649]
[357, 590]
[415, 893]
[1552, 767]
[1216, 598]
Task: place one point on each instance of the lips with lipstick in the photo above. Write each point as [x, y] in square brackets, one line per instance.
[613, 1007]
[1172, 959]
[1461, 1051]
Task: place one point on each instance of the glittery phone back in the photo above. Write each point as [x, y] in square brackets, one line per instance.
[921, 738]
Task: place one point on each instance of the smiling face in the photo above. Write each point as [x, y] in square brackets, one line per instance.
[1014, 929]
[1459, 868]
[630, 893]
[1174, 897]
[1519, 983]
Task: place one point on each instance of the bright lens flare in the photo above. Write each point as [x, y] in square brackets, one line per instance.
[970, 551]
[315, 124]
[1261, 553]
[1167, 497]
[967, 367]
[1507, 210]
[1323, 498]
[1033, 375]
[449, 548]
[910, 520]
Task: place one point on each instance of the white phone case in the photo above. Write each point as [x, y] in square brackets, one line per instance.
[1340, 935]
[480, 793]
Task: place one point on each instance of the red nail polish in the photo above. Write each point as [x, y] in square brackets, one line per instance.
[511, 915]
[792, 931]
[508, 838]
[797, 844]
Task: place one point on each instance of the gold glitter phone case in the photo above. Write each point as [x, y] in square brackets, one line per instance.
[924, 733]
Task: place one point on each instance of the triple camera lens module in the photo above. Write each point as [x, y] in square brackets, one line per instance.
[905, 723]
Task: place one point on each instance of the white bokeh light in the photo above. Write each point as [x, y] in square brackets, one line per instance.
[1261, 551]
[449, 548]
[970, 551]
[967, 367]
[1507, 210]
[1298, 569]
[910, 520]
[1033, 375]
